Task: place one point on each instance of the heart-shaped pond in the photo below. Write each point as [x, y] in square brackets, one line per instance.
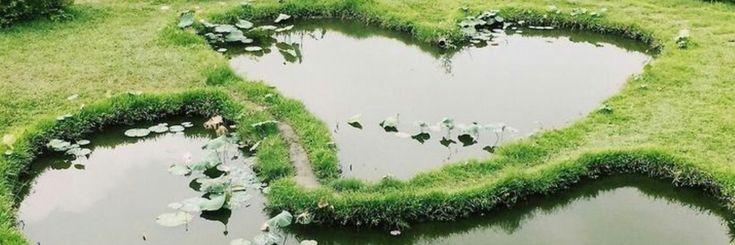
[525, 81]
[114, 193]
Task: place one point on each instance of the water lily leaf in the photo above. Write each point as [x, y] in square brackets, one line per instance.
[79, 166]
[160, 128]
[176, 128]
[354, 121]
[308, 242]
[395, 232]
[216, 185]
[244, 24]
[137, 132]
[421, 137]
[447, 123]
[214, 202]
[78, 152]
[265, 28]
[59, 145]
[282, 17]
[237, 36]
[281, 220]
[253, 49]
[186, 19]
[240, 241]
[174, 219]
[217, 144]
[83, 142]
[467, 140]
[187, 124]
[191, 205]
[179, 170]
[225, 29]
[390, 124]
[446, 142]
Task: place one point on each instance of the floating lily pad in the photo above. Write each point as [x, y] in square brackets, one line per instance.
[176, 128]
[187, 124]
[285, 28]
[354, 121]
[79, 152]
[137, 132]
[281, 220]
[160, 128]
[174, 219]
[79, 166]
[421, 137]
[83, 142]
[180, 170]
[244, 24]
[489, 148]
[59, 145]
[447, 142]
[282, 17]
[308, 242]
[467, 140]
[225, 29]
[253, 49]
[390, 124]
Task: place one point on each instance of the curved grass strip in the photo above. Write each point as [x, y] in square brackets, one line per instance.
[678, 125]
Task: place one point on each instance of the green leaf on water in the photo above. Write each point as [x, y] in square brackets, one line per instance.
[216, 185]
[176, 128]
[390, 124]
[186, 19]
[308, 242]
[447, 123]
[285, 28]
[214, 202]
[225, 29]
[282, 17]
[244, 24]
[179, 170]
[253, 49]
[174, 219]
[421, 137]
[83, 142]
[446, 142]
[137, 132]
[281, 220]
[467, 140]
[354, 121]
[160, 128]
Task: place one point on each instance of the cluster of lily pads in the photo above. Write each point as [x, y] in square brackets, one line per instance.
[158, 129]
[272, 231]
[243, 33]
[483, 27]
[468, 134]
[75, 149]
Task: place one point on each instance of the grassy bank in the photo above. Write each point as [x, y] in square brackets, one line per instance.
[676, 120]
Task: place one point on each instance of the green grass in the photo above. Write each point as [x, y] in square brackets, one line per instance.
[680, 125]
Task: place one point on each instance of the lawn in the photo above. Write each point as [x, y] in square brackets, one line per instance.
[675, 120]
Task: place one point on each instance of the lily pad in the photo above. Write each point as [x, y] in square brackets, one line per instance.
[244, 24]
[83, 142]
[225, 29]
[390, 124]
[174, 219]
[354, 121]
[489, 148]
[421, 137]
[467, 140]
[308, 242]
[447, 142]
[253, 49]
[179, 170]
[214, 202]
[282, 17]
[160, 128]
[176, 128]
[285, 28]
[137, 132]
[281, 220]
[187, 124]
[79, 152]
[59, 145]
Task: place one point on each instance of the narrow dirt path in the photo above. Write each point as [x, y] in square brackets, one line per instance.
[304, 175]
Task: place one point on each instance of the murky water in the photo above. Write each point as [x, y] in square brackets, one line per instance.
[114, 196]
[531, 81]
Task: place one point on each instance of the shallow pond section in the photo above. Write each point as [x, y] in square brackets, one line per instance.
[616, 210]
[529, 80]
[115, 194]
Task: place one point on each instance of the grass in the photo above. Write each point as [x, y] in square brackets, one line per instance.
[676, 120]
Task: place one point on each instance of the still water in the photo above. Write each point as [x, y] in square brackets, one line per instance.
[531, 81]
[114, 196]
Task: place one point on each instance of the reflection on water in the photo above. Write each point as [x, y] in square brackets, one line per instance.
[617, 210]
[123, 187]
[125, 184]
[538, 80]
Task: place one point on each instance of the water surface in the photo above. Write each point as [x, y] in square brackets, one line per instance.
[531, 81]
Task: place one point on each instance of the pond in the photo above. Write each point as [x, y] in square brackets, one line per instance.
[114, 195]
[524, 81]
